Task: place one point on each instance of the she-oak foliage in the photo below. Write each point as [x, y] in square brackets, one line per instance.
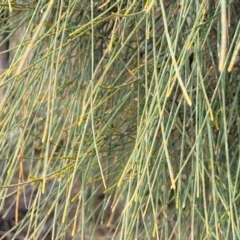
[119, 119]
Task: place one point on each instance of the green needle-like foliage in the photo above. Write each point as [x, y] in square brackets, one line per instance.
[119, 119]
